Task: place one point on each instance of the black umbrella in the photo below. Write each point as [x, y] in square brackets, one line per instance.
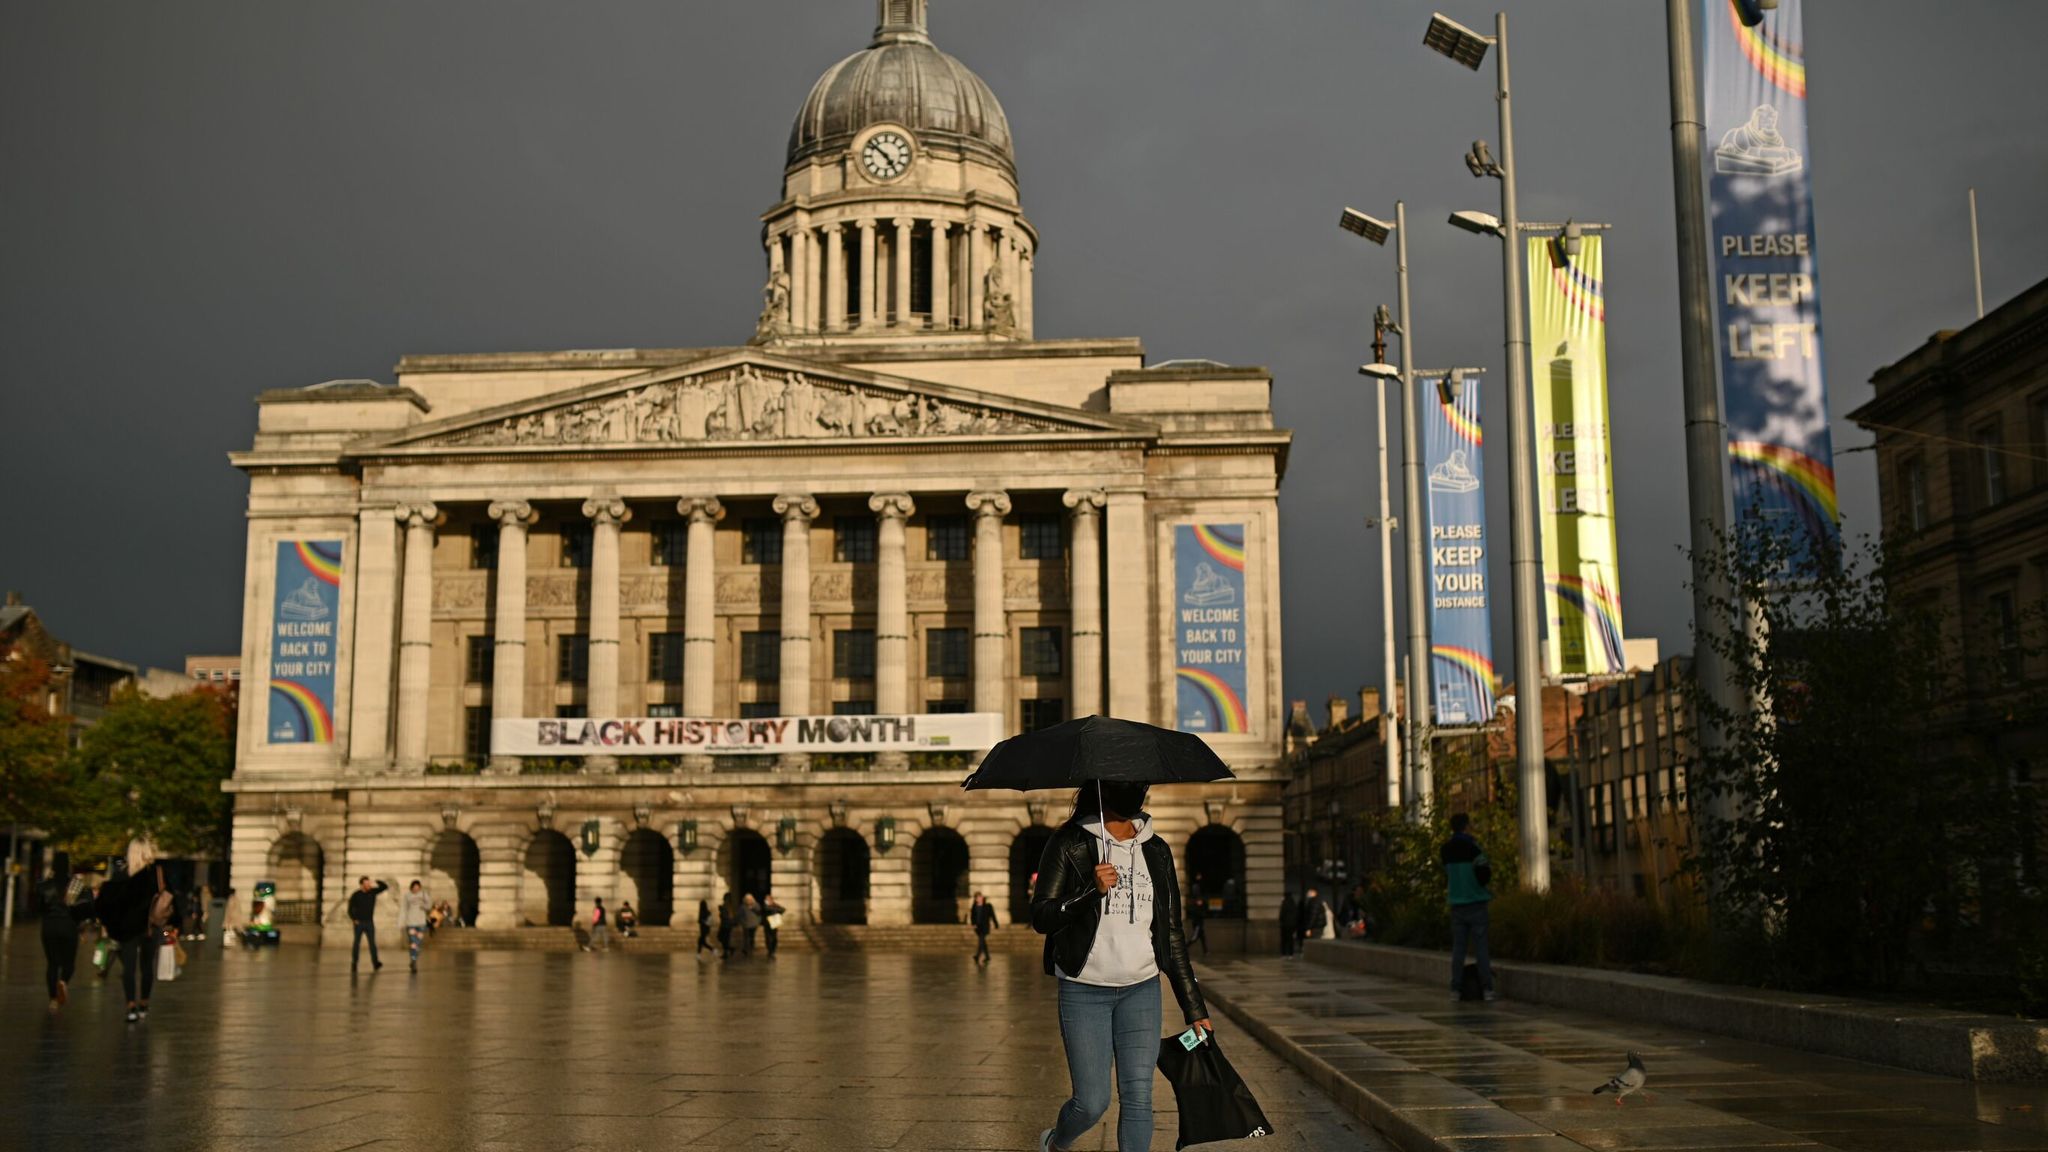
[1097, 748]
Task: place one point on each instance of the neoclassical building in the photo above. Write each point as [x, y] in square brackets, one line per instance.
[660, 625]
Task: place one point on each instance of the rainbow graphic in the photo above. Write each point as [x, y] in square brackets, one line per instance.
[1226, 707]
[1469, 668]
[322, 559]
[1223, 542]
[1581, 288]
[315, 724]
[1463, 426]
[1599, 607]
[1799, 482]
[1779, 61]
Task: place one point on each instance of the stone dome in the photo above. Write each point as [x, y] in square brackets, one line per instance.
[902, 78]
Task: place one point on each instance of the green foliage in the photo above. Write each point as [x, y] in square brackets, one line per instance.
[943, 761]
[543, 766]
[1406, 893]
[454, 767]
[153, 768]
[35, 777]
[842, 761]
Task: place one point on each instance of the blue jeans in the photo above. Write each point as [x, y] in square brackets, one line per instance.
[1098, 1024]
[365, 930]
[1468, 926]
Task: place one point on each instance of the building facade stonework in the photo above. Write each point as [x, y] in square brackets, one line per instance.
[893, 500]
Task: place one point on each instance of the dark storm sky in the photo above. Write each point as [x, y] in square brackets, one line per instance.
[199, 201]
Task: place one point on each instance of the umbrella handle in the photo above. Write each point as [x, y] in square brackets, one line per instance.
[1102, 818]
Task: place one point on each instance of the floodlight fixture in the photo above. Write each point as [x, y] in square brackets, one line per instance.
[1381, 371]
[1448, 387]
[1385, 322]
[1574, 237]
[1450, 38]
[1480, 161]
[1478, 223]
[1359, 224]
[1751, 12]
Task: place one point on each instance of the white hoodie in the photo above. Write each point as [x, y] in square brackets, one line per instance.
[1122, 954]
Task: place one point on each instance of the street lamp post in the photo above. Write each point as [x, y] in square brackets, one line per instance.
[1468, 48]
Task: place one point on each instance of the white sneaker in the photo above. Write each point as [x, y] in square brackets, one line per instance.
[1045, 1141]
[1491, 995]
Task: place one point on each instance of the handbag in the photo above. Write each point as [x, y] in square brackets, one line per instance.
[775, 920]
[1214, 1103]
[102, 953]
[160, 905]
[166, 964]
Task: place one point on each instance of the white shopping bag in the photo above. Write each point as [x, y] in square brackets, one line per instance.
[166, 962]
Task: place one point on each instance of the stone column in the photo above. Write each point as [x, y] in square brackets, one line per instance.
[415, 635]
[835, 278]
[1130, 622]
[797, 512]
[508, 621]
[868, 309]
[903, 313]
[892, 605]
[803, 315]
[1026, 265]
[369, 728]
[942, 277]
[1084, 602]
[991, 632]
[976, 239]
[700, 605]
[606, 514]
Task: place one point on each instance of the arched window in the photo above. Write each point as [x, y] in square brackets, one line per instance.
[1215, 870]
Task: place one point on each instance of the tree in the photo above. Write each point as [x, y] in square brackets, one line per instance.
[153, 768]
[35, 784]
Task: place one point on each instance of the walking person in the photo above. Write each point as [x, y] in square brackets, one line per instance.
[600, 932]
[750, 923]
[728, 921]
[1316, 921]
[771, 921]
[65, 909]
[135, 906]
[1109, 903]
[983, 916]
[362, 913]
[704, 927]
[1198, 919]
[414, 912]
[1467, 872]
[1290, 924]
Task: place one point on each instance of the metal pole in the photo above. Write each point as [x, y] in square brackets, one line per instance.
[1526, 559]
[13, 846]
[1421, 781]
[1389, 730]
[1705, 435]
[1976, 254]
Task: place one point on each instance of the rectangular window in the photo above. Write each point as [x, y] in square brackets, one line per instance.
[664, 711]
[760, 656]
[476, 733]
[944, 707]
[2005, 634]
[1042, 713]
[483, 546]
[1913, 485]
[853, 707]
[1990, 464]
[945, 538]
[576, 546]
[759, 710]
[481, 658]
[671, 544]
[853, 654]
[571, 712]
[946, 653]
[665, 658]
[761, 540]
[1041, 538]
[572, 658]
[1038, 651]
[854, 539]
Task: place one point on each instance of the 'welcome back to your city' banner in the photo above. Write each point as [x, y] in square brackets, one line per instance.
[1766, 283]
[1574, 471]
[1460, 620]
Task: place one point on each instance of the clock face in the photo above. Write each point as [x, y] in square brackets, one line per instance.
[886, 155]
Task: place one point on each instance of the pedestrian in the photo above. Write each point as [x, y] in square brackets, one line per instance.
[728, 922]
[230, 921]
[1351, 915]
[1467, 872]
[771, 921]
[1316, 921]
[600, 933]
[362, 913]
[750, 923]
[65, 909]
[1109, 902]
[704, 927]
[629, 920]
[983, 916]
[1198, 919]
[1290, 923]
[136, 906]
[413, 914]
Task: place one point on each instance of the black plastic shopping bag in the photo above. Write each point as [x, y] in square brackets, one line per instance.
[1214, 1103]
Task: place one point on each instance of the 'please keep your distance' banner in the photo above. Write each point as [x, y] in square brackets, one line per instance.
[673, 736]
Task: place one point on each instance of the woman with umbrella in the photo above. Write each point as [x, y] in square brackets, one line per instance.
[1108, 902]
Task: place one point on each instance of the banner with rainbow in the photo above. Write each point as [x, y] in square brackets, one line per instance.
[1574, 465]
[1767, 283]
[305, 610]
[1211, 639]
[1460, 610]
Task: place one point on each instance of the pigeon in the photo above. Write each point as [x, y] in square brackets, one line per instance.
[1630, 1080]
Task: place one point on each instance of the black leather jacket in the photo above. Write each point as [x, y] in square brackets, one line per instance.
[1067, 906]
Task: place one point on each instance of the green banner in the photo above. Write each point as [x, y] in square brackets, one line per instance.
[1575, 471]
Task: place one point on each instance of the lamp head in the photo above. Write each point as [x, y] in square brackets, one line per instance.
[1477, 223]
[1384, 320]
[1751, 12]
[1480, 160]
[1447, 37]
[1359, 224]
[1380, 371]
[1448, 387]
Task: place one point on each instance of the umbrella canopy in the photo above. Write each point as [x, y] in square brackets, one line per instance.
[1097, 748]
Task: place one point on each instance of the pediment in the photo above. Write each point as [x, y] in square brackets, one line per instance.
[747, 396]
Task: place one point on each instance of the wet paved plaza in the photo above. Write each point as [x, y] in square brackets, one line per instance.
[285, 1050]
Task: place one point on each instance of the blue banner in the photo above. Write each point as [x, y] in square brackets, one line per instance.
[1766, 283]
[1460, 619]
[304, 611]
[1210, 645]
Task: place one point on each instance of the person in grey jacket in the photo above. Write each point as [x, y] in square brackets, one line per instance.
[413, 912]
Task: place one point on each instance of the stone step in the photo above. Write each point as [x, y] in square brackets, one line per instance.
[796, 938]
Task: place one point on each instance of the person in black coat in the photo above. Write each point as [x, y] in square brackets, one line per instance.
[362, 913]
[704, 926]
[123, 908]
[983, 916]
[1290, 923]
[62, 918]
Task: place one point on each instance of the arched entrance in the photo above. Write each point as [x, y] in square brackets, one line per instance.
[938, 877]
[745, 863]
[1215, 868]
[843, 877]
[547, 881]
[647, 865]
[452, 873]
[1025, 852]
[297, 866]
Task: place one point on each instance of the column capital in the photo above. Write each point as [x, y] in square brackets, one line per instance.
[796, 506]
[865, 225]
[990, 502]
[1085, 501]
[903, 222]
[941, 227]
[422, 514]
[892, 505]
[833, 229]
[605, 511]
[701, 509]
[512, 513]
